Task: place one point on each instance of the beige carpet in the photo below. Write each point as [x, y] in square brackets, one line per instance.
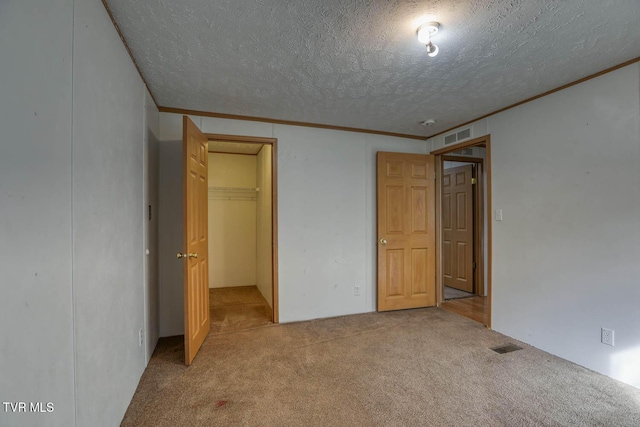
[425, 367]
[237, 308]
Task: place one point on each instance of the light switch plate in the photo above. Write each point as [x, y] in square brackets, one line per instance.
[498, 214]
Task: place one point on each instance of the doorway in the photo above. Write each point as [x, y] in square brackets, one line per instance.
[464, 244]
[242, 232]
[462, 226]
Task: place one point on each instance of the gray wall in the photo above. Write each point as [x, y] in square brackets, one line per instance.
[108, 218]
[326, 216]
[566, 173]
[76, 173]
[36, 316]
[151, 198]
[171, 298]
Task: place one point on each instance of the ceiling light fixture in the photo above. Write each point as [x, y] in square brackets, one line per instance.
[425, 32]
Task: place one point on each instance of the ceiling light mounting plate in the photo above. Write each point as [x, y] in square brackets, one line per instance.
[427, 30]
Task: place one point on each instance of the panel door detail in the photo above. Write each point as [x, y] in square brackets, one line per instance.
[196, 259]
[406, 230]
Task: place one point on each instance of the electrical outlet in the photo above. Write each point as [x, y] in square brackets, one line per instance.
[140, 338]
[356, 290]
[607, 336]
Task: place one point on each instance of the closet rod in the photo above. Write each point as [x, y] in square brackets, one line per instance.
[242, 199]
[234, 189]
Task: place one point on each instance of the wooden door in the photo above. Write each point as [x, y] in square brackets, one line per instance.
[196, 260]
[457, 227]
[406, 231]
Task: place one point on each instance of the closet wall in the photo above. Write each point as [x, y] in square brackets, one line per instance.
[232, 220]
[264, 259]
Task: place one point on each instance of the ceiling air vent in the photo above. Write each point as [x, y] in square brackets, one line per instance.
[506, 348]
[450, 139]
[461, 135]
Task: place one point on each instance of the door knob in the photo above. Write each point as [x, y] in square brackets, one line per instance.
[383, 241]
[189, 255]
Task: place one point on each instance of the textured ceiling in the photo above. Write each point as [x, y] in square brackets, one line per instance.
[358, 63]
[234, 147]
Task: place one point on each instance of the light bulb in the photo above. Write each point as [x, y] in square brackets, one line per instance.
[424, 33]
[432, 49]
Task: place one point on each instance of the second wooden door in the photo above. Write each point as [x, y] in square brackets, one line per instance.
[457, 227]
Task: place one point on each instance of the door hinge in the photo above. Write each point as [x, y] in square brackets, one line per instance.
[474, 266]
[473, 181]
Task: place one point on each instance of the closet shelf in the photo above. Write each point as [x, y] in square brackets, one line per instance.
[233, 189]
[247, 194]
